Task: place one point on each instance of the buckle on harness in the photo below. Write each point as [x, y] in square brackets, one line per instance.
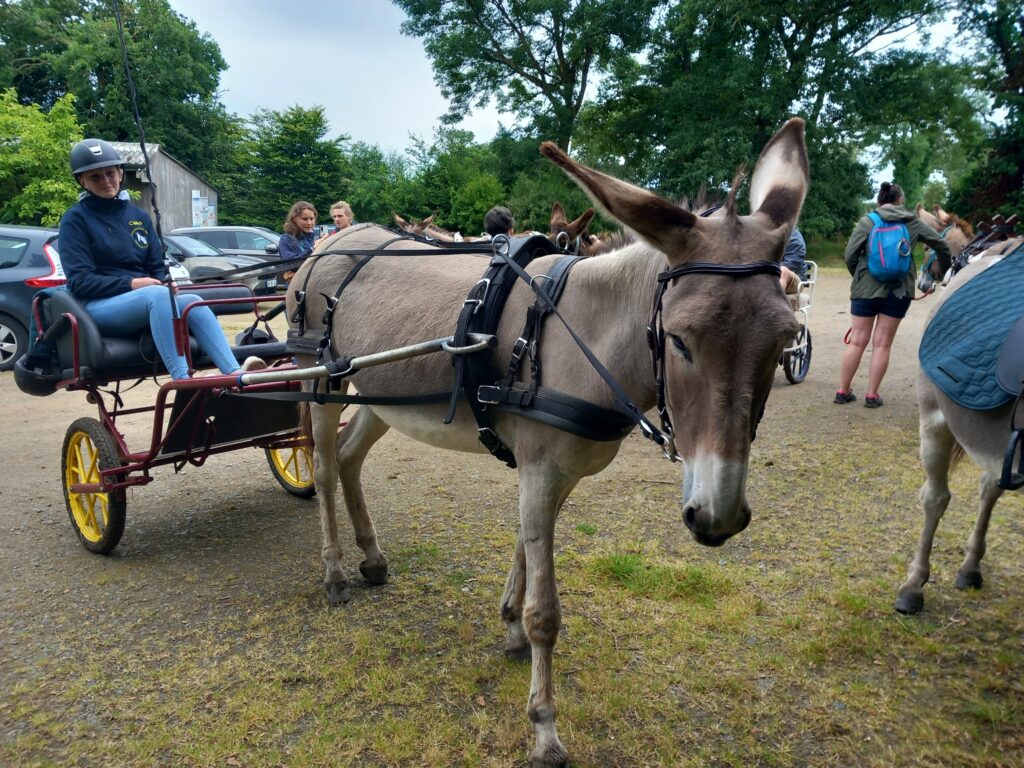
[486, 283]
[519, 348]
[332, 302]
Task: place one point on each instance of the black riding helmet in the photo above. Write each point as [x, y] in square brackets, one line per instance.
[90, 154]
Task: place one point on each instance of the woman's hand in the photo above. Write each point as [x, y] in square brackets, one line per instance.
[142, 282]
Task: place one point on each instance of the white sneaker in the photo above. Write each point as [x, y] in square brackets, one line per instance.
[253, 364]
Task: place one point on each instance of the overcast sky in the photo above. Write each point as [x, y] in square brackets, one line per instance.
[348, 56]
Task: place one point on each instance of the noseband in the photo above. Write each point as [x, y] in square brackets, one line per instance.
[656, 331]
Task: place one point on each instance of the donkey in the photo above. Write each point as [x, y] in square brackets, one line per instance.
[947, 432]
[574, 235]
[427, 229]
[955, 231]
[726, 333]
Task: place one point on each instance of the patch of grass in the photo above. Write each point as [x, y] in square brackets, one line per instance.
[587, 528]
[696, 584]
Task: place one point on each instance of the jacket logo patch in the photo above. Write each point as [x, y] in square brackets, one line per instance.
[140, 237]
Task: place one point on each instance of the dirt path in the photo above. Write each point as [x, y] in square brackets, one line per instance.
[207, 550]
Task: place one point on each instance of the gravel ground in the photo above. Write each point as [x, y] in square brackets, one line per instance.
[204, 544]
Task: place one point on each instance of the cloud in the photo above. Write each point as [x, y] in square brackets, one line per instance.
[374, 83]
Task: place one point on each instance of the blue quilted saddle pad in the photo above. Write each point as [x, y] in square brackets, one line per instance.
[960, 345]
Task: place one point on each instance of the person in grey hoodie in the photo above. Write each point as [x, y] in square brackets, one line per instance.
[876, 308]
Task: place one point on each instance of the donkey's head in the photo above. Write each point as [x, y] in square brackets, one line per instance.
[724, 333]
[573, 235]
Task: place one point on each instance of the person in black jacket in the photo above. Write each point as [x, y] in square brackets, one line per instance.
[114, 264]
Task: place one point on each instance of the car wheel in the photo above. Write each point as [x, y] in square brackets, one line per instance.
[13, 342]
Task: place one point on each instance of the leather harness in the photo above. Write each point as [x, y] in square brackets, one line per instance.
[481, 313]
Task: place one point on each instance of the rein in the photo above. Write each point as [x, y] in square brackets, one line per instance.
[656, 331]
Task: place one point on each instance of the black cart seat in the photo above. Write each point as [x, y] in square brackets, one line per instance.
[107, 358]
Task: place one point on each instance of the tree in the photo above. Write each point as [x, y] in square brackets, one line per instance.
[284, 158]
[721, 75]
[36, 185]
[534, 59]
[995, 186]
[378, 183]
[50, 48]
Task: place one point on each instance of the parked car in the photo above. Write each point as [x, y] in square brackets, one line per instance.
[237, 241]
[28, 262]
[203, 260]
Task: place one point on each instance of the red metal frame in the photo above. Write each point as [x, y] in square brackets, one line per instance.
[137, 466]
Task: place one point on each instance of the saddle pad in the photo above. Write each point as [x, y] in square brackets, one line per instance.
[959, 347]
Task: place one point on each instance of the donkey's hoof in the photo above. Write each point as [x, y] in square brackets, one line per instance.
[968, 580]
[553, 757]
[909, 602]
[519, 652]
[337, 592]
[375, 574]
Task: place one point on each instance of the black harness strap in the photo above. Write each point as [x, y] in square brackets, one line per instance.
[481, 313]
[656, 331]
[622, 400]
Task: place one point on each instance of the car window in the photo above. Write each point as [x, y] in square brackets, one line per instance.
[12, 249]
[172, 249]
[216, 238]
[198, 247]
[252, 241]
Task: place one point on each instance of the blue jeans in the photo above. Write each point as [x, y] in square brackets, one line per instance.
[127, 313]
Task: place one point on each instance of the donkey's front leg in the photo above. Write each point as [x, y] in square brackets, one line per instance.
[517, 645]
[356, 439]
[325, 474]
[541, 491]
[969, 574]
[936, 450]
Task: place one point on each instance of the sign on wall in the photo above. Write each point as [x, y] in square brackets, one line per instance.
[203, 213]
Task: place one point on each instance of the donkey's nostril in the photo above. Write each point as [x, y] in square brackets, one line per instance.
[689, 516]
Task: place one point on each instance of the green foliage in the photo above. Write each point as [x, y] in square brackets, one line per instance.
[378, 183]
[995, 186]
[285, 157]
[534, 59]
[36, 186]
[54, 48]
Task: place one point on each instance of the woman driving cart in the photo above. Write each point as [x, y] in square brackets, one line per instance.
[115, 267]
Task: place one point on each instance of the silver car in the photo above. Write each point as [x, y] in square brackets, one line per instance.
[237, 241]
[203, 260]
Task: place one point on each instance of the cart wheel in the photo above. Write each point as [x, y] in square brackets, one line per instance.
[98, 516]
[293, 469]
[795, 364]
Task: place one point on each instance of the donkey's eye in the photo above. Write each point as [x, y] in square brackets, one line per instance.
[681, 347]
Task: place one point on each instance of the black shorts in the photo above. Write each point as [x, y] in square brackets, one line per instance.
[890, 306]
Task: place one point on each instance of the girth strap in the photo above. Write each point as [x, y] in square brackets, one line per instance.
[481, 313]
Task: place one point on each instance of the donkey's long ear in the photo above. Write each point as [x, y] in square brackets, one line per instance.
[655, 219]
[402, 223]
[779, 182]
[578, 227]
[558, 215]
[429, 220]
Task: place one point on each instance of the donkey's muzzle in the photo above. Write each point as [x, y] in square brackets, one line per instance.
[703, 531]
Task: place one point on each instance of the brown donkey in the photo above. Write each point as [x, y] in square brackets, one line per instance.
[726, 323]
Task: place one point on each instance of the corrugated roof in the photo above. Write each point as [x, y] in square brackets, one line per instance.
[132, 153]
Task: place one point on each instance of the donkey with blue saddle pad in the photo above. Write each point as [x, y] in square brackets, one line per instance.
[969, 386]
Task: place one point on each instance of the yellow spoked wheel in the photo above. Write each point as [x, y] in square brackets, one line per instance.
[293, 469]
[98, 516]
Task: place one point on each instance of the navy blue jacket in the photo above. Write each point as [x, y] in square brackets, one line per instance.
[291, 247]
[104, 244]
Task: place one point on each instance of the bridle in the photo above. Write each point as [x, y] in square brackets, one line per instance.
[656, 331]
